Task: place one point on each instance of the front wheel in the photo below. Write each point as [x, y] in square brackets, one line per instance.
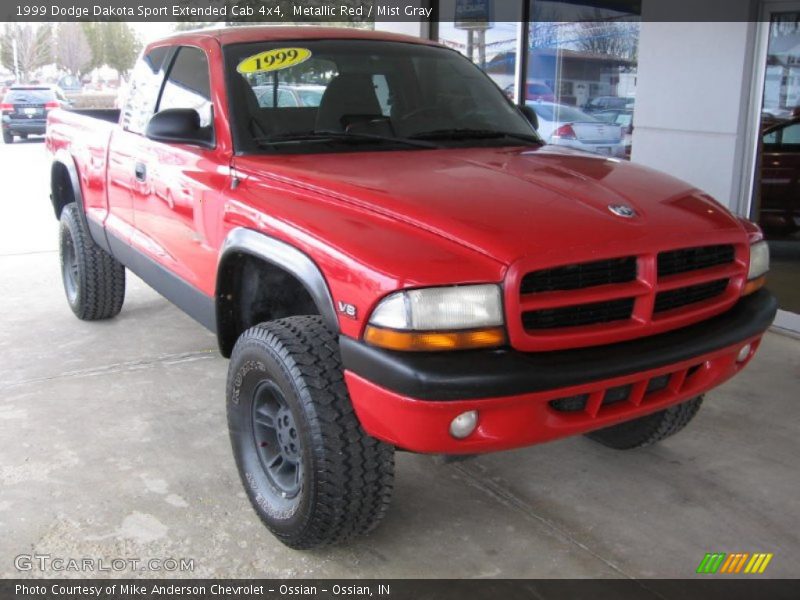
[8, 138]
[312, 474]
[648, 430]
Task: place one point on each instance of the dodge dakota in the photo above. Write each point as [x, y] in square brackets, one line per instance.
[397, 263]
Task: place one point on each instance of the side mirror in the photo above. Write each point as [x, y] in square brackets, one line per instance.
[530, 114]
[179, 126]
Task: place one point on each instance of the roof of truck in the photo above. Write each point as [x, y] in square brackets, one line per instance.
[261, 33]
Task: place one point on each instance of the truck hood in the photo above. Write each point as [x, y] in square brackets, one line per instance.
[509, 203]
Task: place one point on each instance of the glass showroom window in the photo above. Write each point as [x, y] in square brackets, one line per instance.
[581, 75]
[490, 44]
[776, 201]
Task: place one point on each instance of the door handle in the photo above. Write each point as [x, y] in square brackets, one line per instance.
[140, 170]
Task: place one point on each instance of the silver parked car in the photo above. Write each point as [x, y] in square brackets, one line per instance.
[568, 126]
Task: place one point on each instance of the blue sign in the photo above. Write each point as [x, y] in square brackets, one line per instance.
[475, 11]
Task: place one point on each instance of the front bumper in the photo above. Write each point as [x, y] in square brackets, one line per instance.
[409, 399]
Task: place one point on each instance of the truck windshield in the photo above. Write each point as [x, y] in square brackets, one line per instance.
[309, 96]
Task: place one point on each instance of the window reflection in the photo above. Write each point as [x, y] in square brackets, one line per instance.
[489, 44]
[581, 75]
[776, 202]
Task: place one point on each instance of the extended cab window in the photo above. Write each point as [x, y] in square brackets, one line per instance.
[188, 84]
[143, 90]
[363, 95]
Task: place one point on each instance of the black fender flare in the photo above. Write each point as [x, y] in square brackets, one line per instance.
[65, 159]
[95, 230]
[284, 256]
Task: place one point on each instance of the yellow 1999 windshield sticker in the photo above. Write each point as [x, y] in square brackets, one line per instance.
[274, 60]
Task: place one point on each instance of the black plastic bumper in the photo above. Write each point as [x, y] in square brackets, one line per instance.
[491, 373]
[20, 126]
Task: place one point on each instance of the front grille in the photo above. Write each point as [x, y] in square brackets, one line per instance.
[692, 294]
[656, 384]
[584, 275]
[636, 393]
[693, 259]
[570, 403]
[596, 302]
[617, 394]
[574, 316]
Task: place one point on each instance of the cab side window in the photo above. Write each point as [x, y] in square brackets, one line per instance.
[188, 84]
[143, 89]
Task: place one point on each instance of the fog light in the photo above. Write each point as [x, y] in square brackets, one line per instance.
[744, 353]
[464, 424]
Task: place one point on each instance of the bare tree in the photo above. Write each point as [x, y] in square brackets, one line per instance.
[34, 48]
[73, 52]
[609, 38]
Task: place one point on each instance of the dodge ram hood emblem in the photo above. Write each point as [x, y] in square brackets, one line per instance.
[622, 210]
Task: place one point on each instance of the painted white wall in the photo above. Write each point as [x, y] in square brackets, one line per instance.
[692, 102]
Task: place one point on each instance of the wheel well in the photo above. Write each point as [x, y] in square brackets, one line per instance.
[251, 290]
[61, 192]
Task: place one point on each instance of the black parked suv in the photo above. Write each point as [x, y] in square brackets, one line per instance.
[24, 109]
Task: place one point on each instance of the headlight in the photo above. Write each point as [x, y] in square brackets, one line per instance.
[759, 260]
[759, 265]
[445, 318]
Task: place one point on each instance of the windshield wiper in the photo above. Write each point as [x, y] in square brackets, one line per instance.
[323, 136]
[473, 134]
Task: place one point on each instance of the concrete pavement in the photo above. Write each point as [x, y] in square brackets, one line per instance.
[113, 444]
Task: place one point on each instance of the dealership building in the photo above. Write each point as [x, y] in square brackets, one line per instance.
[712, 98]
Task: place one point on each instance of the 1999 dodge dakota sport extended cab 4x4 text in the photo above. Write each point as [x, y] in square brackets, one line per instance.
[394, 260]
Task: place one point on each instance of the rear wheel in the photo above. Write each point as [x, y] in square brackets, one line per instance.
[8, 138]
[648, 430]
[312, 474]
[94, 282]
[23, 136]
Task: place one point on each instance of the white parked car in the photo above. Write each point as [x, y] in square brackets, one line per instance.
[568, 126]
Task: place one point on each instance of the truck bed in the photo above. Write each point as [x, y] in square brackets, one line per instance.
[82, 137]
[104, 114]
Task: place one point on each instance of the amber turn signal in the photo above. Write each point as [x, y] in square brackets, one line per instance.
[426, 341]
[754, 285]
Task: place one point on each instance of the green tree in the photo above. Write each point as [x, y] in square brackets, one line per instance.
[93, 32]
[34, 44]
[113, 44]
[120, 47]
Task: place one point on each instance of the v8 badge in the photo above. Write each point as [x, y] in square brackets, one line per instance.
[347, 309]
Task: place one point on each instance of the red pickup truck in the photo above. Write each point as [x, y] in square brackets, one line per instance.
[398, 262]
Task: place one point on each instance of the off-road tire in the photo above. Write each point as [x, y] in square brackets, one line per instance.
[648, 430]
[94, 282]
[8, 138]
[342, 480]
